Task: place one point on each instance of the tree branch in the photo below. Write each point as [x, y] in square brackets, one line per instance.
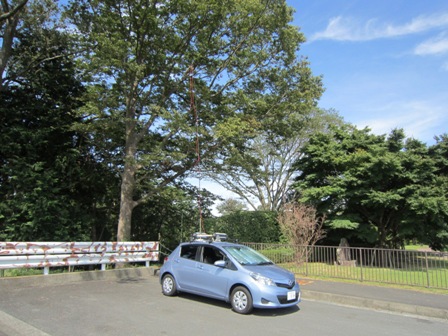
[10, 13]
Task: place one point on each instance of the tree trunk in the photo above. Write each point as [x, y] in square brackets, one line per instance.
[127, 203]
[125, 217]
[382, 234]
[6, 48]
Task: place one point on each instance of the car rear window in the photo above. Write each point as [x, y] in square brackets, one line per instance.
[189, 251]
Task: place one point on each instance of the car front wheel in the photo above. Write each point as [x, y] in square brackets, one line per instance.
[241, 300]
[169, 285]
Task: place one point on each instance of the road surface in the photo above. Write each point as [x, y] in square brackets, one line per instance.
[134, 307]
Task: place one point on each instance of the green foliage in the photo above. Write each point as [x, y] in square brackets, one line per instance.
[381, 190]
[138, 59]
[247, 226]
[49, 177]
[262, 170]
[343, 224]
[172, 216]
[87, 116]
[16, 272]
[229, 206]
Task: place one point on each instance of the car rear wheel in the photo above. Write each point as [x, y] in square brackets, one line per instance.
[169, 285]
[241, 300]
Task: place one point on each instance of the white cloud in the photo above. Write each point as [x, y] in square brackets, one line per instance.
[419, 119]
[434, 46]
[347, 29]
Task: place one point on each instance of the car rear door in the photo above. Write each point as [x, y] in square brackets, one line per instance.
[186, 270]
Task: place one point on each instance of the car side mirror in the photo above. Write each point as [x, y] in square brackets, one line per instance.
[220, 263]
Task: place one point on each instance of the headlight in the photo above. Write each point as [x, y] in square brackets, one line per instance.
[262, 279]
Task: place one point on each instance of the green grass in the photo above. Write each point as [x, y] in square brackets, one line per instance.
[18, 272]
[434, 278]
[416, 247]
[15, 272]
[378, 284]
[279, 255]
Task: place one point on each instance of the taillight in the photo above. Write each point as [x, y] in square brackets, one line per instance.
[165, 259]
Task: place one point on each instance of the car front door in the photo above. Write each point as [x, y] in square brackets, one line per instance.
[213, 280]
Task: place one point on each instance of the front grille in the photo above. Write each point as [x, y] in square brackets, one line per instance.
[283, 299]
[283, 285]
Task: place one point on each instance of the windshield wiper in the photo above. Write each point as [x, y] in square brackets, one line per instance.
[266, 263]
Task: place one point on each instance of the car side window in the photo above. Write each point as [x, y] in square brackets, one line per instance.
[189, 251]
[211, 254]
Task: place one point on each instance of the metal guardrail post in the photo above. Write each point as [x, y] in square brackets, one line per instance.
[306, 260]
[427, 270]
[361, 265]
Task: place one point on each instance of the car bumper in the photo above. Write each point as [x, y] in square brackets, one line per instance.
[275, 297]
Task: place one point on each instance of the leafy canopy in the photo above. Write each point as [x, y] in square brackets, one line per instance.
[383, 190]
[138, 57]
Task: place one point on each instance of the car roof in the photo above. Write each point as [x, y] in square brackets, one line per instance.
[212, 243]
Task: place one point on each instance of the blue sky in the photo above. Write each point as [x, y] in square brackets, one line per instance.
[384, 62]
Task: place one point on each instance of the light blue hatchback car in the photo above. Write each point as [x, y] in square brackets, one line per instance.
[235, 273]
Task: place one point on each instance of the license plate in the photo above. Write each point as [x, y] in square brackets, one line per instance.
[291, 295]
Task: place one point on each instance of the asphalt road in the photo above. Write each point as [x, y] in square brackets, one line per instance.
[134, 307]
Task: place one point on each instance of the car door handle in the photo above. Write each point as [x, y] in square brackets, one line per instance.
[200, 267]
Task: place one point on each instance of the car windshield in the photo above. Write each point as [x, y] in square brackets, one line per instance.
[247, 256]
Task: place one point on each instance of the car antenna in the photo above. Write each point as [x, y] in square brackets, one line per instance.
[197, 164]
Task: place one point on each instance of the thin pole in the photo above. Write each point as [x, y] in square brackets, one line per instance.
[198, 155]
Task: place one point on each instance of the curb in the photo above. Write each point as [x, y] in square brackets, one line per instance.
[125, 274]
[12, 326]
[395, 307]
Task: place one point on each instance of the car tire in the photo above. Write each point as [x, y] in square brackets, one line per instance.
[169, 285]
[241, 300]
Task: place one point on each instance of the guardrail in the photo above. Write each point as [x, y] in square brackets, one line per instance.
[411, 268]
[56, 254]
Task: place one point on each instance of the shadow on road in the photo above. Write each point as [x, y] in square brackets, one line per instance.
[225, 305]
[276, 312]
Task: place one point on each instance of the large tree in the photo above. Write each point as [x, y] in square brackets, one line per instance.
[262, 174]
[9, 20]
[382, 189]
[431, 201]
[16, 17]
[48, 176]
[139, 56]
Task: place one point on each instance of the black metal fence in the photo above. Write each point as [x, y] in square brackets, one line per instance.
[411, 268]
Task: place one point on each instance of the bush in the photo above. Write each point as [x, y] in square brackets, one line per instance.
[247, 226]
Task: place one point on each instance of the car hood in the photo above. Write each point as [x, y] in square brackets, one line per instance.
[274, 272]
